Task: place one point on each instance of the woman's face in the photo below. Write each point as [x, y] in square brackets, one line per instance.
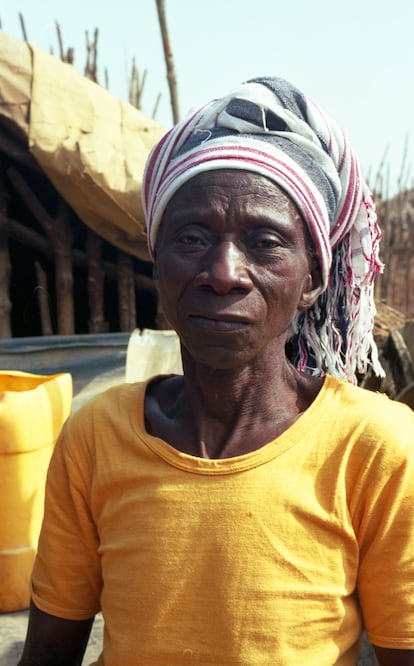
[232, 266]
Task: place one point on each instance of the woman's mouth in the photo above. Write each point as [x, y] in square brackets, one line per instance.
[221, 323]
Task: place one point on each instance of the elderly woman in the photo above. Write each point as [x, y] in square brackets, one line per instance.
[259, 508]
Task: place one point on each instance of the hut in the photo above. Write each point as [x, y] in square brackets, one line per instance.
[73, 256]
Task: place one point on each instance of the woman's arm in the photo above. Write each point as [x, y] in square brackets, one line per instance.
[53, 641]
[392, 657]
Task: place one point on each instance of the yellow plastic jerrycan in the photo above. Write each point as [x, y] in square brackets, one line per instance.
[33, 409]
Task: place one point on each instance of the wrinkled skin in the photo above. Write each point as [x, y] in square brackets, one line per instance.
[238, 253]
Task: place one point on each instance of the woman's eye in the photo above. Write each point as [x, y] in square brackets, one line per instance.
[191, 239]
[267, 243]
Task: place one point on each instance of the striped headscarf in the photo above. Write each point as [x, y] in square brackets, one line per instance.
[269, 127]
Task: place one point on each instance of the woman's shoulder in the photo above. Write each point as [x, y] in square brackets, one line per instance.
[111, 399]
[358, 395]
[373, 413]
[114, 407]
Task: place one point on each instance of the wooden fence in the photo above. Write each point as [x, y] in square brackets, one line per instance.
[395, 286]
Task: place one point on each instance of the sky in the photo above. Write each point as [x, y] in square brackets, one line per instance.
[355, 58]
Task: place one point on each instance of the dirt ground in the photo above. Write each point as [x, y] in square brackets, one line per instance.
[13, 632]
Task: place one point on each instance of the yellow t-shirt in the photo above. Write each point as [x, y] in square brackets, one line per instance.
[280, 556]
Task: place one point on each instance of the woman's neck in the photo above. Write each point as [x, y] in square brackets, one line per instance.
[227, 412]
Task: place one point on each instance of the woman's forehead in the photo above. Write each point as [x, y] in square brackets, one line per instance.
[234, 182]
[231, 196]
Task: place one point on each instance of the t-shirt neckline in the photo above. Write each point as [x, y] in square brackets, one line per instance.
[273, 449]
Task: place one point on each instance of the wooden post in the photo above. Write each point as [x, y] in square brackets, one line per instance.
[34, 240]
[5, 304]
[61, 237]
[59, 233]
[43, 300]
[5, 266]
[96, 277]
[126, 292]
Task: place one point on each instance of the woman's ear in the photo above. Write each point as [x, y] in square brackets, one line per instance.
[312, 288]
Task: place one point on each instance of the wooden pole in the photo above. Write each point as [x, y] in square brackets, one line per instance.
[58, 231]
[5, 269]
[5, 265]
[34, 240]
[126, 292]
[43, 300]
[169, 60]
[62, 245]
[23, 27]
[96, 278]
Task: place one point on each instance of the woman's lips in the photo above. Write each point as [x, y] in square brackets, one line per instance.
[218, 322]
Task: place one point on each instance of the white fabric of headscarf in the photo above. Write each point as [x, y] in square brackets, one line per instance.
[269, 127]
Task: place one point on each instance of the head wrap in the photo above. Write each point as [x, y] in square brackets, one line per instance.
[269, 127]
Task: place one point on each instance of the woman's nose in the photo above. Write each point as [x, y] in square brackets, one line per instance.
[226, 269]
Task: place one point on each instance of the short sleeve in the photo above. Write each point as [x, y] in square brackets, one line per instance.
[66, 579]
[386, 536]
